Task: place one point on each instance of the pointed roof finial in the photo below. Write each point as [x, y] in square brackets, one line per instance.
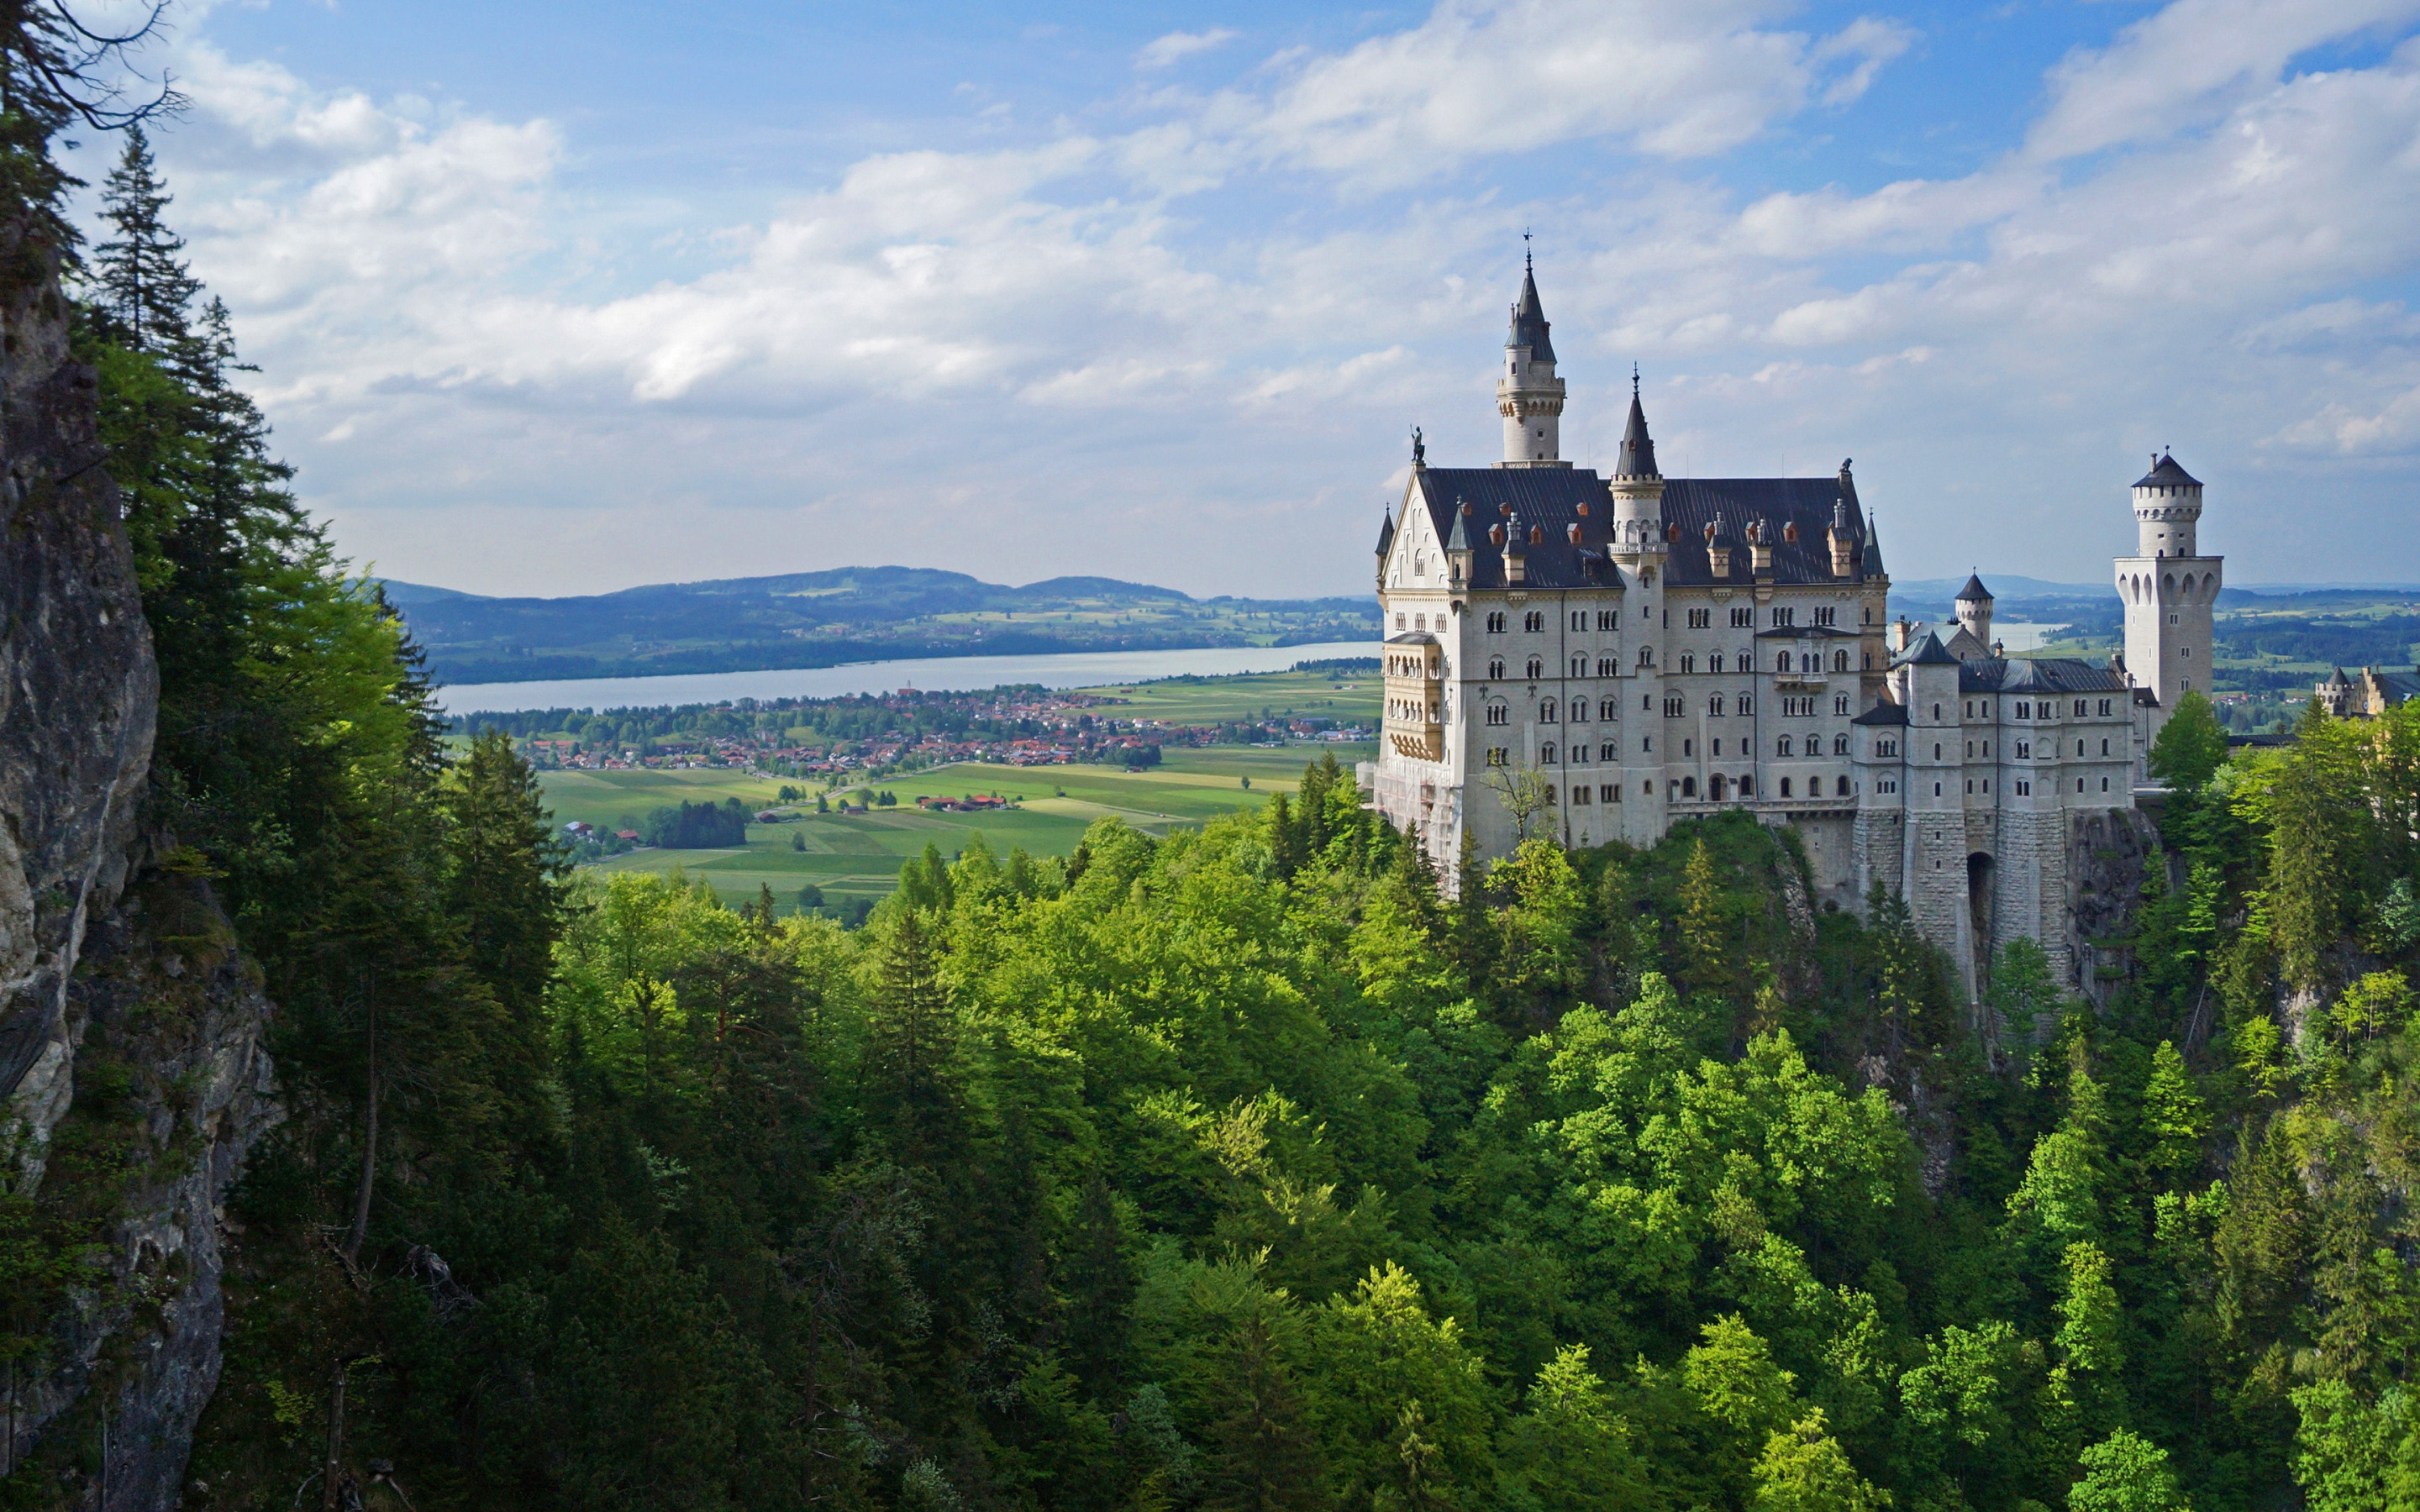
[1633, 381]
[1527, 265]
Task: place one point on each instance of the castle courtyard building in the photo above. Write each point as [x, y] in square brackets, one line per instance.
[1588, 657]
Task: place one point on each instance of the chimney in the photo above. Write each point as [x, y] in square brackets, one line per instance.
[1718, 550]
[1515, 563]
[1903, 634]
[1759, 548]
[1843, 540]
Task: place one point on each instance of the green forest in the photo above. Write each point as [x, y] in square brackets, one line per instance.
[1234, 1169]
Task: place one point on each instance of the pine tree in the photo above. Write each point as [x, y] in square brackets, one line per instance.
[2173, 1116]
[145, 290]
[910, 1038]
[1263, 1457]
[1705, 954]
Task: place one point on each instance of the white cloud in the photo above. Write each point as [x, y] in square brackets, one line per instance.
[1177, 46]
[1674, 78]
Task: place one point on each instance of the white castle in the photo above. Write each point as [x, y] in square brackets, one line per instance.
[1591, 657]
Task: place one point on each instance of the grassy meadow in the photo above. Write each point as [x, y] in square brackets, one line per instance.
[858, 855]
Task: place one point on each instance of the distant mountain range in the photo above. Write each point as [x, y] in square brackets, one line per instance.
[822, 619]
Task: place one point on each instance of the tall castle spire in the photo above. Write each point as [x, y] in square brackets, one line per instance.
[1637, 447]
[1529, 396]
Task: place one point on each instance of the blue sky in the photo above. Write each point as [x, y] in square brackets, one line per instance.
[553, 299]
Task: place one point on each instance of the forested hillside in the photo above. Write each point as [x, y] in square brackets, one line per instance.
[1236, 1169]
[824, 619]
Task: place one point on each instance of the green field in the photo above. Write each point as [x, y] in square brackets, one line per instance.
[858, 855]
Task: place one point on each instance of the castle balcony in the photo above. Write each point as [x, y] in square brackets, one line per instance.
[1415, 696]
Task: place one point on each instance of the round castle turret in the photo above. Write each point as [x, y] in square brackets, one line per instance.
[2167, 509]
[1529, 396]
[1974, 609]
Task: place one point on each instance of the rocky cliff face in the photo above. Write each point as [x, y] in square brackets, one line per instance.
[131, 1078]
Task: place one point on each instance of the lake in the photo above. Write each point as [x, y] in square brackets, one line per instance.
[933, 674]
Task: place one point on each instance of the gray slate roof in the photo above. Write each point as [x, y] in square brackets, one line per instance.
[2044, 675]
[1692, 505]
[1974, 592]
[1529, 322]
[1638, 459]
[1550, 497]
[1882, 712]
[2165, 473]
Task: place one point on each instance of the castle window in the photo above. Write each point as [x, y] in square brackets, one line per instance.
[2105, 709]
[1537, 668]
[1579, 666]
[1785, 787]
[1689, 663]
[1495, 624]
[2079, 747]
[2184, 650]
[1688, 747]
[1605, 668]
[1700, 619]
[1580, 711]
[1399, 622]
[1647, 743]
[1608, 793]
[1714, 705]
[1534, 621]
[1608, 620]
[1781, 748]
[2024, 789]
[1606, 752]
[1580, 794]
[1499, 756]
[2104, 747]
[1547, 711]
[1673, 709]
[1604, 709]
[2079, 785]
[1579, 619]
[1870, 662]
[1719, 746]
[1970, 784]
[1689, 787]
[1746, 786]
[1970, 708]
[1936, 753]
[1546, 753]
[1839, 661]
[1648, 787]
[1824, 615]
[2105, 784]
[1499, 714]
[1495, 670]
[2025, 711]
[1781, 663]
[1742, 619]
[1936, 790]
[2025, 750]
[1970, 747]
[1840, 744]
[1714, 662]
[1746, 706]
[1647, 656]
[2079, 713]
[1840, 786]
[1784, 616]
[1840, 703]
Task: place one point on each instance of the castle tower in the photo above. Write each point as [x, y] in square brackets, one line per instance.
[1974, 609]
[1529, 396]
[2169, 588]
[1637, 547]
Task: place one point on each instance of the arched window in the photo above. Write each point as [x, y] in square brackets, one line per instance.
[1781, 663]
[1580, 711]
[1604, 709]
[1604, 667]
[1839, 661]
[1647, 656]
[1841, 744]
[1782, 748]
[1714, 705]
[1689, 663]
[1546, 753]
[1785, 787]
[1840, 786]
[1840, 703]
[1714, 787]
[1688, 787]
[1547, 711]
[1714, 662]
[1579, 666]
[1499, 714]
[1534, 621]
[1537, 668]
[1746, 787]
[1495, 670]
